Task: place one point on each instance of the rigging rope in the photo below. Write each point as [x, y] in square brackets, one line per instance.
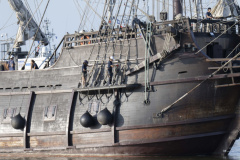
[100, 36]
[4, 26]
[141, 10]
[23, 29]
[30, 10]
[84, 12]
[79, 8]
[216, 38]
[92, 8]
[75, 2]
[94, 17]
[23, 67]
[38, 13]
[108, 41]
[9, 26]
[100, 70]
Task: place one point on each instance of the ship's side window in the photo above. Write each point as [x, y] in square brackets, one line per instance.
[49, 113]
[8, 114]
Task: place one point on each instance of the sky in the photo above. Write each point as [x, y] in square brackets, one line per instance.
[64, 15]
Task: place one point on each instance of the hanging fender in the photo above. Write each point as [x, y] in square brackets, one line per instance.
[104, 117]
[87, 120]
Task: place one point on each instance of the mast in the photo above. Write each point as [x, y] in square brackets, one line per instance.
[49, 35]
[177, 8]
[110, 13]
[158, 11]
[153, 7]
[197, 9]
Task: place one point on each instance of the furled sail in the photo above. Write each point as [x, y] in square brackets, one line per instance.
[225, 8]
[27, 26]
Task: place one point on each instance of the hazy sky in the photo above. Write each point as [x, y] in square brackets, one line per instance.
[63, 15]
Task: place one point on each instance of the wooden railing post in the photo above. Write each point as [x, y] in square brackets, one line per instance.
[70, 116]
[28, 121]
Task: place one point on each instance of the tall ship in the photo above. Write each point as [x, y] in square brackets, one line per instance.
[175, 86]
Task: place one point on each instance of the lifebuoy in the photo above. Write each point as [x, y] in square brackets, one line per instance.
[85, 37]
[89, 42]
[82, 43]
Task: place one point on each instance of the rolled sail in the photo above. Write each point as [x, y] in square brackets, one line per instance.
[225, 8]
[27, 26]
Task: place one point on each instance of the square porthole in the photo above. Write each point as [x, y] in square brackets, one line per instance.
[8, 114]
[49, 113]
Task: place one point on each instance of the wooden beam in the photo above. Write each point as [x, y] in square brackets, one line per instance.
[203, 120]
[220, 59]
[26, 140]
[35, 92]
[115, 110]
[106, 89]
[227, 85]
[32, 134]
[70, 116]
[227, 67]
[11, 135]
[49, 149]
[47, 64]
[69, 91]
[91, 131]
[172, 138]
[192, 79]
[152, 59]
[14, 93]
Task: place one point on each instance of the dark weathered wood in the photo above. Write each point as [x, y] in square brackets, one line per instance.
[95, 145]
[32, 134]
[11, 135]
[173, 138]
[148, 134]
[92, 138]
[152, 59]
[177, 123]
[220, 59]
[115, 112]
[151, 141]
[50, 141]
[192, 79]
[106, 89]
[101, 88]
[53, 91]
[48, 148]
[230, 138]
[28, 120]
[14, 93]
[54, 52]
[195, 125]
[91, 131]
[70, 117]
[228, 85]
[227, 67]
[36, 92]
[11, 142]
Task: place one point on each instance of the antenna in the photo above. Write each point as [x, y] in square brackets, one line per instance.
[49, 34]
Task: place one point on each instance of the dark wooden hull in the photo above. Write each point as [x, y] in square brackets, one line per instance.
[52, 104]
